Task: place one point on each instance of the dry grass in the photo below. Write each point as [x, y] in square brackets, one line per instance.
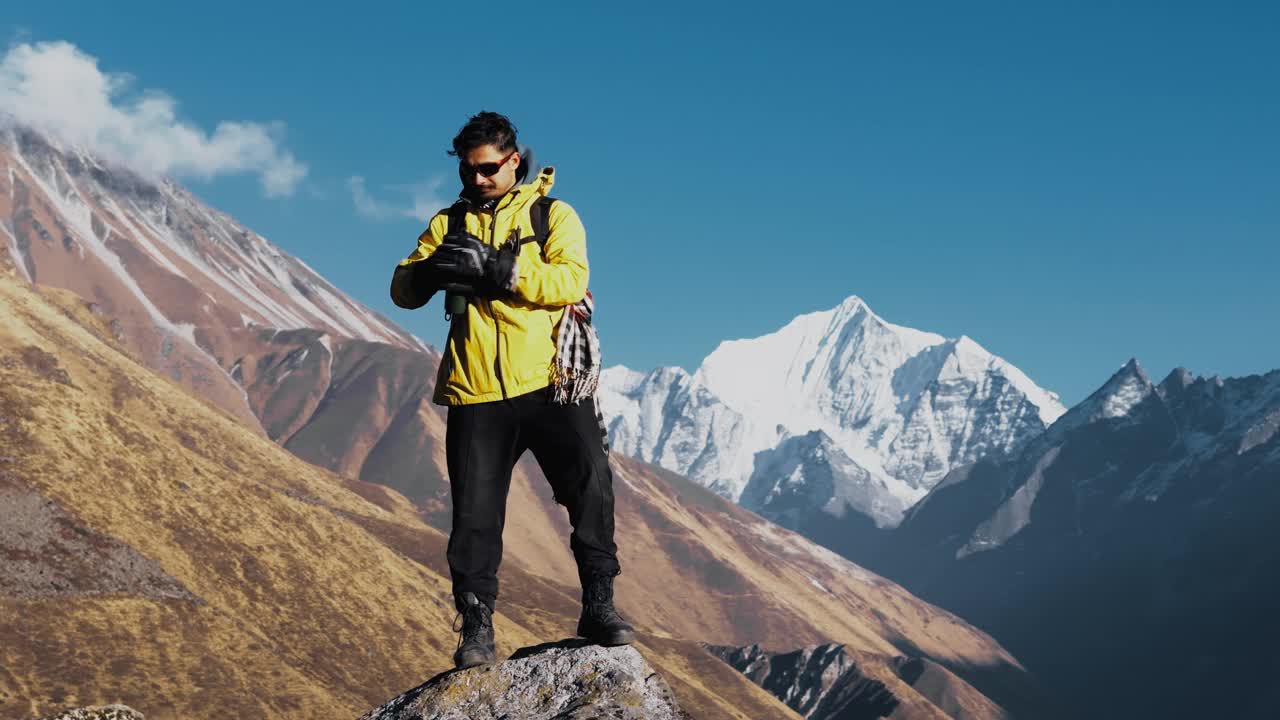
[305, 595]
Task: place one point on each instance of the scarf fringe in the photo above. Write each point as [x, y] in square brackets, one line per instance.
[572, 387]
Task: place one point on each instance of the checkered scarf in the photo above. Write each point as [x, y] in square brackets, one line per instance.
[576, 373]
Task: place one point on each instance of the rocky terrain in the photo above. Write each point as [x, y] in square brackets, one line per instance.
[831, 682]
[97, 712]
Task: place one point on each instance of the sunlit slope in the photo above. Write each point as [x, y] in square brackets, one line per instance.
[172, 559]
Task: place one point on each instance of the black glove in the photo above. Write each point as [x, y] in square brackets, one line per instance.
[413, 285]
[464, 259]
[427, 281]
[500, 273]
[461, 257]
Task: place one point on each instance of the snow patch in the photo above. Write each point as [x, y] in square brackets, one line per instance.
[1130, 392]
[18, 260]
[818, 585]
[77, 215]
[150, 248]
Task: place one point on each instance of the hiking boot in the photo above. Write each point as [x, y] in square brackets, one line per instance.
[475, 646]
[600, 622]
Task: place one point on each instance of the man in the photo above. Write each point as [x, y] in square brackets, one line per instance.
[509, 386]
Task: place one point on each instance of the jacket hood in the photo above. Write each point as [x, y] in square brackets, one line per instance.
[542, 182]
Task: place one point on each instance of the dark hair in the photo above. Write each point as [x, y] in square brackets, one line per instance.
[485, 128]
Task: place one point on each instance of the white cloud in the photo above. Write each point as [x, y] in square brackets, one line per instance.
[56, 88]
[423, 201]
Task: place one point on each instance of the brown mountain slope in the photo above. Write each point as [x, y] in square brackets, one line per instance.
[178, 281]
[160, 554]
[197, 297]
[301, 578]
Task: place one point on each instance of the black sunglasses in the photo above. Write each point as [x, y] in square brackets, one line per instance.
[488, 169]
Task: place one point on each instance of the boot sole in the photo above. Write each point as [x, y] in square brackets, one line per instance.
[622, 637]
[472, 659]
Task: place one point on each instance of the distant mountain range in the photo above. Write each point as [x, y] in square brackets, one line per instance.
[1122, 545]
[1129, 554]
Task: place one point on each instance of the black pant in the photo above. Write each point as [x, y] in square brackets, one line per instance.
[483, 442]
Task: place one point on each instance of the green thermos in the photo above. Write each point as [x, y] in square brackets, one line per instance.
[454, 304]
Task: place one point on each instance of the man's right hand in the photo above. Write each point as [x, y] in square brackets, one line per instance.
[461, 257]
[457, 266]
[478, 269]
[429, 279]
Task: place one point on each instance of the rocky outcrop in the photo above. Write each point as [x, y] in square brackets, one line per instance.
[568, 679]
[832, 682]
[48, 552]
[98, 712]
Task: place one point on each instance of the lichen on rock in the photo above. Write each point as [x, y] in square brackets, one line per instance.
[97, 712]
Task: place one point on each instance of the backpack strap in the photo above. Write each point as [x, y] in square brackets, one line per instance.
[538, 216]
[457, 217]
[457, 223]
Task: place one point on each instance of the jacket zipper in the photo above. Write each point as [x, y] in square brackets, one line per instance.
[497, 326]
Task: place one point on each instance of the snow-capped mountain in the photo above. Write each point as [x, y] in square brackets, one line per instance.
[668, 418]
[133, 226]
[900, 405]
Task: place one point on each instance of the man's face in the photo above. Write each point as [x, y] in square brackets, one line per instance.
[473, 166]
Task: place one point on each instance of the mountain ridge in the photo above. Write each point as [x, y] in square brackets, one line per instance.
[1141, 522]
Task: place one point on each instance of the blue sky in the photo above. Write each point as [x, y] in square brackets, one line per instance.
[1070, 184]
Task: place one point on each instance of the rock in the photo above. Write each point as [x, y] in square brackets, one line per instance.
[98, 712]
[568, 680]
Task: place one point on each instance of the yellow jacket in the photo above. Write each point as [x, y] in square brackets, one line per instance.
[502, 348]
